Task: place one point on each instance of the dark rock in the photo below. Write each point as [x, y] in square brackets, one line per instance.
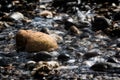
[41, 56]
[112, 60]
[116, 16]
[65, 5]
[100, 67]
[85, 35]
[90, 55]
[63, 57]
[2, 37]
[100, 23]
[45, 30]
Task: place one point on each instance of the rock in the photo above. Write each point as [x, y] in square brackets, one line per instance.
[30, 65]
[116, 16]
[32, 41]
[16, 16]
[106, 66]
[46, 14]
[74, 30]
[45, 30]
[58, 38]
[2, 37]
[63, 57]
[112, 60]
[100, 23]
[41, 56]
[114, 30]
[44, 68]
[100, 67]
[90, 55]
[1, 26]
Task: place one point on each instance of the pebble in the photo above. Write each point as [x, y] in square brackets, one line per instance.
[74, 30]
[47, 14]
[33, 41]
[41, 56]
[90, 54]
[16, 16]
[63, 57]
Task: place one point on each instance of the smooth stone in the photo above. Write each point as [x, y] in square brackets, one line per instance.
[46, 13]
[33, 41]
[16, 16]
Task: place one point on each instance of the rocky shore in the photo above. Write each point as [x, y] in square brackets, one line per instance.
[59, 39]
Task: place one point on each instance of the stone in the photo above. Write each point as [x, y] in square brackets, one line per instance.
[16, 16]
[100, 23]
[42, 56]
[46, 14]
[63, 57]
[44, 68]
[100, 67]
[74, 30]
[32, 41]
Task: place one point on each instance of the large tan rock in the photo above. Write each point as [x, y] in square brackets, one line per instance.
[32, 41]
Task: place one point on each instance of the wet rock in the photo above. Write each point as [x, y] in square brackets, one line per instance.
[100, 23]
[41, 56]
[43, 68]
[63, 57]
[33, 41]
